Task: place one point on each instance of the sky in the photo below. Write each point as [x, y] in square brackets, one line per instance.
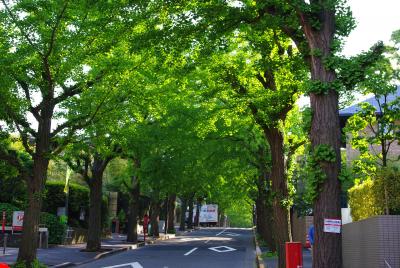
[376, 20]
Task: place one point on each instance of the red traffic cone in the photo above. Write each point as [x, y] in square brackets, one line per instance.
[308, 244]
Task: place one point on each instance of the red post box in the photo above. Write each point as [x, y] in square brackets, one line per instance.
[294, 255]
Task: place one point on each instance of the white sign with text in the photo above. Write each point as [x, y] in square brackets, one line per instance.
[332, 226]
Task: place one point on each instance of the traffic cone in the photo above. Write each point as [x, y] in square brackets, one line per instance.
[308, 244]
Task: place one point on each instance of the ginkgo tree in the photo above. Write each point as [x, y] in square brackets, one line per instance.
[51, 53]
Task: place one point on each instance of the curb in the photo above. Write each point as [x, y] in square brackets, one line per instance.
[259, 259]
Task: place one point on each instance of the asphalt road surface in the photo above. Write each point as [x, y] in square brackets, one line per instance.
[204, 248]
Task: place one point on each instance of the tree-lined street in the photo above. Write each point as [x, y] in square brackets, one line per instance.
[211, 247]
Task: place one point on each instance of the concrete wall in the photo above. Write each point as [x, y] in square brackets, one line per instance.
[372, 243]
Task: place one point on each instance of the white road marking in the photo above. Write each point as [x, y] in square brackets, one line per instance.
[231, 234]
[189, 252]
[221, 232]
[207, 241]
[221, 249]
[189, 239]
[131, 264]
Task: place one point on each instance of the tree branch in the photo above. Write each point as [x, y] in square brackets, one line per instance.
[54, 30]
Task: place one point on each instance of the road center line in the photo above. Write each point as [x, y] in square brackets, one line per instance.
[189, 252]
[221, 232]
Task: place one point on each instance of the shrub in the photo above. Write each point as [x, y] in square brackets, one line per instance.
[78, 198]
[373, 196]
[8, 208]
[56, 228]
[363, 201]
[34, 264]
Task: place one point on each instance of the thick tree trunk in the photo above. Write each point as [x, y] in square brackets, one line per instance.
[155, 208]
[171, 213]
[190, 218]
[325, 130]
[29, 242]
[281, 218]
[94, 227]
[132, 235]
[183, 214]
[264, 220]
[35, 184]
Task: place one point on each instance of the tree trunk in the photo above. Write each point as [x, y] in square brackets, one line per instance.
[171, 213]
[197, 217]
[133, 211]
[29, 242]
[94, 227]
[325, 130]
[183, 214]
[155, 209]
[263, 223]
[190, 219]
[35, 184]
[281, 218]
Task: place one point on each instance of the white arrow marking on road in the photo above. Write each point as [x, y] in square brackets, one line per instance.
[220, 249]
[189, 252]
[131, 264]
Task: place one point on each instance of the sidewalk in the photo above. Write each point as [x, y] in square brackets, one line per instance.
[71, 255]
[272, 262]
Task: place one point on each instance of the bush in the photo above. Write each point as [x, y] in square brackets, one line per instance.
[78, 198]
[56, 228]
[34, 264]
[373, 196]
[8, 208]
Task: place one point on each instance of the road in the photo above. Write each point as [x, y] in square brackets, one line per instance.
[207, 247]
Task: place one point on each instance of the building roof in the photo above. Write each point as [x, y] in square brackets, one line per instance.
[350, 110]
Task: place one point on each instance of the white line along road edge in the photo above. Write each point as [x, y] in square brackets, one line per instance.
[131, 264]
[189, 252]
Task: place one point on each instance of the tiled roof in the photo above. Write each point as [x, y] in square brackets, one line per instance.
[349, 111]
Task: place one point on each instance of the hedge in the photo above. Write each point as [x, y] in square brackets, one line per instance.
[78, 198]
[372, 196]
[56, 228]
[52, 222]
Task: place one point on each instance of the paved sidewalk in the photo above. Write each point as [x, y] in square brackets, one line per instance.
[73, 255]
[273, 261]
